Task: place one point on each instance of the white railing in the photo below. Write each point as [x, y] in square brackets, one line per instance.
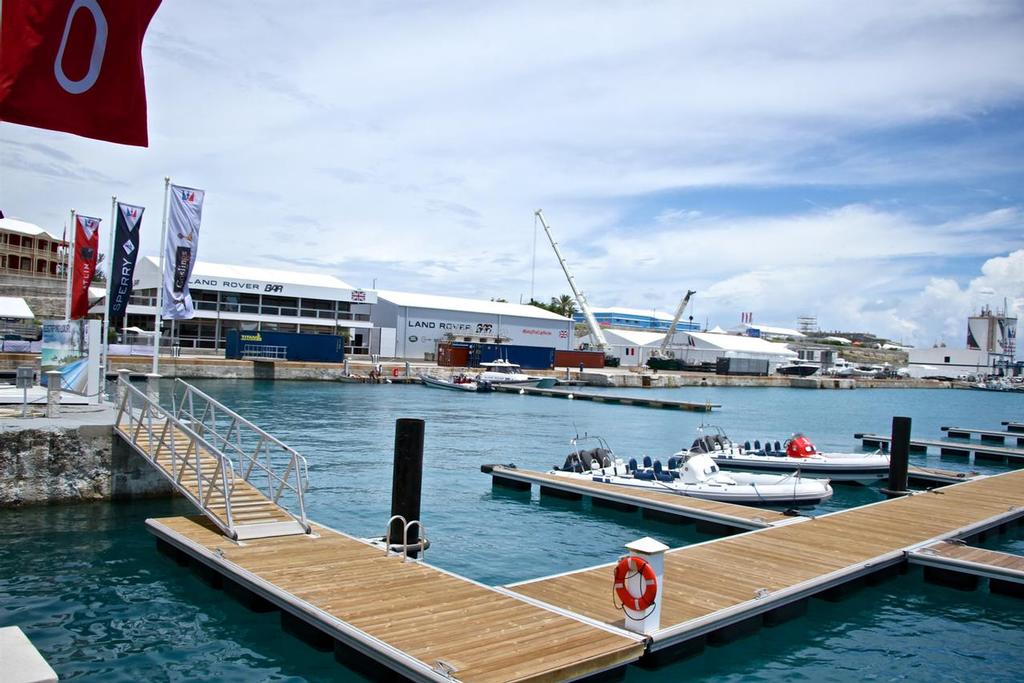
[140, 415]
[265, 462]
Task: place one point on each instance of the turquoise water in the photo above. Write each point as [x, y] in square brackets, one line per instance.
[87, 585]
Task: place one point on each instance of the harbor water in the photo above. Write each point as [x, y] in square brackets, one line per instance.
[87, 585]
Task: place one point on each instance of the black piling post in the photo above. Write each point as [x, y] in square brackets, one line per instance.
[899, 457]
[407, 478]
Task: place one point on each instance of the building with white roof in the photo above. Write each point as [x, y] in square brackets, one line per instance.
[767, 331]
[28, 250]
[412, 325]
[230, 297]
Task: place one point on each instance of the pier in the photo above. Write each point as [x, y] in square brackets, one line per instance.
[991, 436]
[734, 584]
[1014, 426]
[608, 398]
[979, 451]
[949, 562]
[727, 515]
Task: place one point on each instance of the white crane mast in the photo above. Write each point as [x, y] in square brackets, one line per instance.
[595, 329]
[675, 321]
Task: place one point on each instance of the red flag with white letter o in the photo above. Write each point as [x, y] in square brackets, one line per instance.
[75, 66]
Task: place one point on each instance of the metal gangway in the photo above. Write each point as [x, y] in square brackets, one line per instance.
[247, 482]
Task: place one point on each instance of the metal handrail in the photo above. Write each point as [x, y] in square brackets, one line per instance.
[423, 543]
[295, 475]
[146, 415]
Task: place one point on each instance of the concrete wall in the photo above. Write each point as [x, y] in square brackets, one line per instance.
[55, 464]
[46, 297]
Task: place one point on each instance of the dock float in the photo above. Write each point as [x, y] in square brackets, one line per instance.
[979, 451]
[715, 590]
[418, 620]
[989, 435]
[1014, 426]
[728, 515]
[1004, 571]
[934, 475]
[609, 398]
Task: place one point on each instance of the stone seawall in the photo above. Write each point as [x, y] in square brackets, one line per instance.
[73, 458]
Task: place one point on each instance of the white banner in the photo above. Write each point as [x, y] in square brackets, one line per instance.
[186, 211]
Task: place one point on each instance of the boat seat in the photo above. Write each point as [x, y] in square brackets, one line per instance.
[632, 465]
[602, 456]
[645, 475]
[746, 445]
[647, 461]
[659, 473]
[757, 445]
[778, 447]
[673, 463]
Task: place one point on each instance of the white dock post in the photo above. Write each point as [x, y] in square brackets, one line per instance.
[53, 384]
[153, 386]
[646, 621]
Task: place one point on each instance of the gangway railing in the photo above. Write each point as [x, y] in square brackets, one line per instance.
[275, 469]
[140, 416]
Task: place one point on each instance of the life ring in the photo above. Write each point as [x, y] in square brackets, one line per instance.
[394, 372]
[635, 565]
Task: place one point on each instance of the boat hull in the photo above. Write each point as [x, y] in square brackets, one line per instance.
[435, 383]
[835, 471]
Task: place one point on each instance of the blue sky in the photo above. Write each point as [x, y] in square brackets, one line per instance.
[862, 164]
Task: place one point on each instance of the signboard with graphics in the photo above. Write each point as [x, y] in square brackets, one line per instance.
[66, 349]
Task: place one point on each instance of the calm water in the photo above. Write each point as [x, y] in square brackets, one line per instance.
[87, 585]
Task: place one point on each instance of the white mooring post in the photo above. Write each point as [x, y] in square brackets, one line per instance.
[647, 621]
[53, 387]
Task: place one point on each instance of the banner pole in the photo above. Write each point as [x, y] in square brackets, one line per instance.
[69, 267]
[110, 277]
[160, 282]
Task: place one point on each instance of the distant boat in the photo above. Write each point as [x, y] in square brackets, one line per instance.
[797, 368]
[458, 382]
[503, 372]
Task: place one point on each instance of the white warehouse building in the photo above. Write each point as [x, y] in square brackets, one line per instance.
[412, 325]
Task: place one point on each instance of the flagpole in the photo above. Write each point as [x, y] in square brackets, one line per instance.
[160, 282]
[68, 267]
[110, 277]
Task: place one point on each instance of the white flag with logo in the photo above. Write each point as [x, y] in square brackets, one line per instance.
[186, 210]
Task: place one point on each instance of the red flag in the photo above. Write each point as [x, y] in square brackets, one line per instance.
[87, 242]
[76, 66]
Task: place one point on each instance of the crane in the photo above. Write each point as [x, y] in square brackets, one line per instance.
[675, 321]
[595, 330]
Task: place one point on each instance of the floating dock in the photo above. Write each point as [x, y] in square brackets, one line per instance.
[1004, 571]
[934, 475]
[1014, 426]
[609, 398]
[422, 622]
[732, 517]
[717, 589]
[979, 451]
[989, 435]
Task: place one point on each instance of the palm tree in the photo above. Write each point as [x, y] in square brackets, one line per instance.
[563, 305]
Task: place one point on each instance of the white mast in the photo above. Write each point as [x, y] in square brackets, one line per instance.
[595, 330]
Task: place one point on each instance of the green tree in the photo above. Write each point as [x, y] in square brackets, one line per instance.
[563, 305]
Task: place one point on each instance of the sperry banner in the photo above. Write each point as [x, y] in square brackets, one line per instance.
[87, 241]
[122, 260]
[185, 213]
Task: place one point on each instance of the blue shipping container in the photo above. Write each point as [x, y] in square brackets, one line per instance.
[318, 348]
[528, 357]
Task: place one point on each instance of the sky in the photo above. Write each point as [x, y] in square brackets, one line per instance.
[858, 162]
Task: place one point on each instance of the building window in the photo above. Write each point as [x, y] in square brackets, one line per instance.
[946, 359]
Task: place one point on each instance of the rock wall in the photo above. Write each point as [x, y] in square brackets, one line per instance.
[67, 464]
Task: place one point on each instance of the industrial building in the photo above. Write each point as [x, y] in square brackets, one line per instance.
[412, 325]
[228, 297]
[991, 350]
[633, 348]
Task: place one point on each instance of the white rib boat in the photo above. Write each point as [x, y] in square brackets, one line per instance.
[797, 453]
[501, 371]
[695, 475]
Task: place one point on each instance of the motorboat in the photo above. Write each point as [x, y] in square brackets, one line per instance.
[695, 475]
[501, 371]
[457, 382]
[795, 453]
[797, 368]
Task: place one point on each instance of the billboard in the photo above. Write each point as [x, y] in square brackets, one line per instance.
[66, 349]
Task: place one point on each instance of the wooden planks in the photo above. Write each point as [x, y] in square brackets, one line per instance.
[744, 572]
[741, 516]
[411, 607]
[609, 398]
[964, 558]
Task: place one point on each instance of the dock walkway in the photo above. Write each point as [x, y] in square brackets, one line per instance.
[726, 514]
[977, 561]
[990, 435]
[739, 579]
[982, 451]
[423, 622]
[609, 398]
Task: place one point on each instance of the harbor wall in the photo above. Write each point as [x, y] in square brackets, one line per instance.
[43, 462]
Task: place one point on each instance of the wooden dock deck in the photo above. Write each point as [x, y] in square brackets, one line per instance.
[975, 561]
[725, 514]
[935, 475]
[990, 435]
[736, 581]
[982, 451]
[420, 621]
[609, 398]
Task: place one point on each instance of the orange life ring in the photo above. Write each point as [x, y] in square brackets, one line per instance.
[635, 565]
[394, 372]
